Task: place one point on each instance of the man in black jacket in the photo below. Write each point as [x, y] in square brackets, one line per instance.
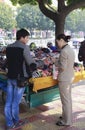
[18, 57]
[81, 54]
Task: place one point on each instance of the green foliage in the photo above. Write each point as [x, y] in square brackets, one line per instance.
[29, 16]
[14, 2]
[75, 21]
[48, 2]
[72, 1]
[33, 2]
[21, 2]
[45, 23]
[72, 22]
[7, 20]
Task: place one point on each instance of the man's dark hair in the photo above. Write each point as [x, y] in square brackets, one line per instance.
[22, 33]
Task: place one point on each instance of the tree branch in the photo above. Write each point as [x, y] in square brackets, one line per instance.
[61, 5]
[75, 5]
[46, 11]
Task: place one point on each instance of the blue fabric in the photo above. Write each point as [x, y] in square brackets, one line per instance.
[14, 95]
[53, 48]
[3, 86]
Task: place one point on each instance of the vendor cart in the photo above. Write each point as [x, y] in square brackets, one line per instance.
[42, 89]
[45, 89]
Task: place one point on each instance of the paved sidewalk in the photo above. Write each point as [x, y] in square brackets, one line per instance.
[45, 117]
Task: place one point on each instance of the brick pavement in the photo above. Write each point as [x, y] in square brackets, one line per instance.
[45, 116]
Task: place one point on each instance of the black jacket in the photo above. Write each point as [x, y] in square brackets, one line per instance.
[81, 54]
[15, 60]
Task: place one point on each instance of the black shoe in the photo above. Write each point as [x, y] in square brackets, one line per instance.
[59, 123]
[21, 123]
[10, 127]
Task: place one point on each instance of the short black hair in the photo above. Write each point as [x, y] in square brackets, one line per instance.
[22, 33]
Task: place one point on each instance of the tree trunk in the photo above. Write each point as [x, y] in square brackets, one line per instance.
[59, 25]
[58, 16]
